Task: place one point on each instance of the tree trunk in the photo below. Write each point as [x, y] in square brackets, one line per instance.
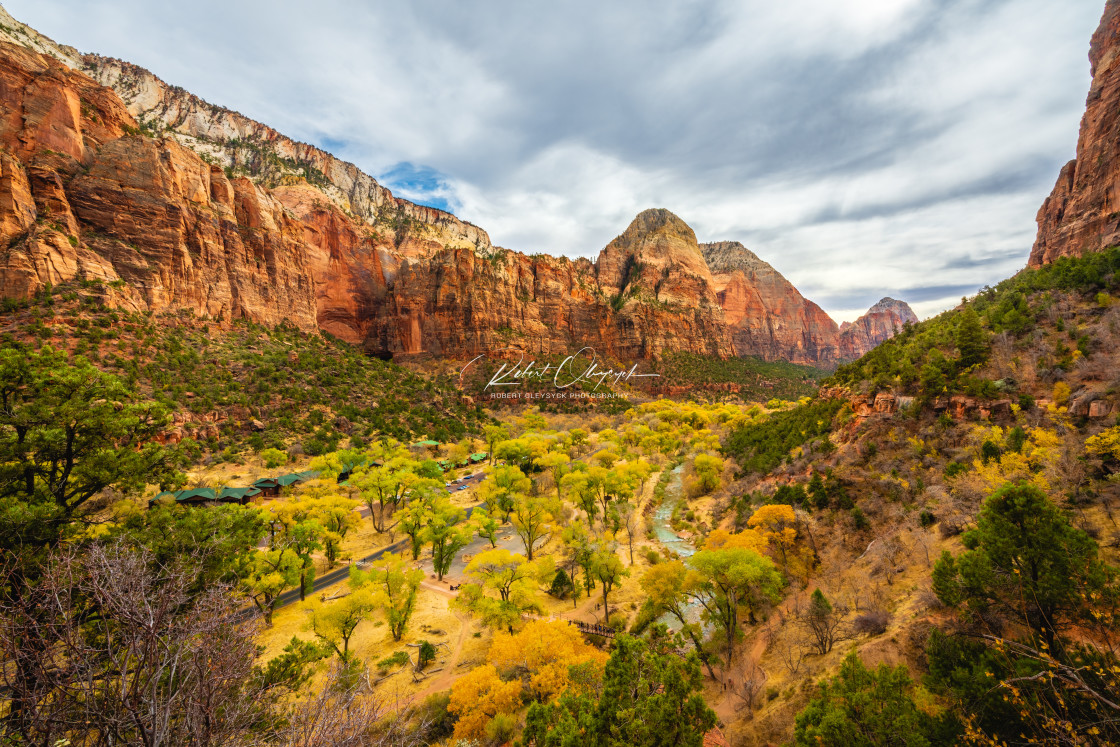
[697, 644]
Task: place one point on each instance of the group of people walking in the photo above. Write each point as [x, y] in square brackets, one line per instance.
[593, 628]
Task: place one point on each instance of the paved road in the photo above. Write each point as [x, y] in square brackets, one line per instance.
[343, 572]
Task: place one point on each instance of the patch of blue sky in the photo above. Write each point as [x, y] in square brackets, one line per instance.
[420, 184]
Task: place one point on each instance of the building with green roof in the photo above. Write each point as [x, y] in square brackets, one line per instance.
[238, 495]
[197, 495]
[266, 486]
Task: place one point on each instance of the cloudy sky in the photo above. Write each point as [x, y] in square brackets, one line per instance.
[863, 147]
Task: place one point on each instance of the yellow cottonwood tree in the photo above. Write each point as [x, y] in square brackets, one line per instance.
[708, 469]
[335, 623]
[748, 539]
[393, 583]
[545, 650]
[479, 696]
[777, 523]
[508, 574]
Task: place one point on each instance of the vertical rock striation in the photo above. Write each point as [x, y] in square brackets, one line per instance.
[768, 317]
[85, 196]
[1082, 214]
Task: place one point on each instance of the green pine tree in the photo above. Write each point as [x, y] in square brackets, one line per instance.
[971, 340]
[863, 708]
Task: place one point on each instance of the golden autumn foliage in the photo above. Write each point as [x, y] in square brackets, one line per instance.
[1105, 444]
[1032, 463]
[748, 539]
[777, 525]
[544, 650]
[477, 697]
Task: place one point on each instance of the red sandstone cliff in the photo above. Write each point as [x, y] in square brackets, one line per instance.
[1082, 214]
[243, 145]
[648, 294]
[881, 322]
[83, 197]
[768, 317]
[656, 259]
[196, 207]
[351, 265]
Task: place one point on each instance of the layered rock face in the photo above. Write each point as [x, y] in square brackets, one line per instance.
[350, 265]
[647, 294]
[244, 145]
[1082, 214]
[656, 258]
[82, 197]
[882, 321]
[196, 207]
[768, 317]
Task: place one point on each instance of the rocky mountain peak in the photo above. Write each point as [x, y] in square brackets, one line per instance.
[728, 256]
[888, 305]
[658, 222]
[768, 316]
[881, 322]
[657, 255]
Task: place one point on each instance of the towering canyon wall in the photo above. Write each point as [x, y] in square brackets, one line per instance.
[647, 294]
[108, 173]
[768, 317]
[84, 196]
[1082, 214]
[243, 145]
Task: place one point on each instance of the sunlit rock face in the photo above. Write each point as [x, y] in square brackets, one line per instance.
[108, 173]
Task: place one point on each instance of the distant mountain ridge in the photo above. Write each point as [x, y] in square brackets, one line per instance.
[882, 321]
[111, 174]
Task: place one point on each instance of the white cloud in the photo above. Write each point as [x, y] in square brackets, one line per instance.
[864, 147]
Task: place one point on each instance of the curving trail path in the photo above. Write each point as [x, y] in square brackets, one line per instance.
[729, 705]
[448, 676]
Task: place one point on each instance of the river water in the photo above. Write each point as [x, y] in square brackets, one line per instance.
[667, 538]
[664, 514]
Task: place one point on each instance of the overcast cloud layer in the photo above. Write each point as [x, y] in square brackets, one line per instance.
[863, 147]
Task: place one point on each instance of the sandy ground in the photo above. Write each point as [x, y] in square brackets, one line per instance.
[462, 643]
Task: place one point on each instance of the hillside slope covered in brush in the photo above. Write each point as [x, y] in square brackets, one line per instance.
[230, 387]
[930, 479]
